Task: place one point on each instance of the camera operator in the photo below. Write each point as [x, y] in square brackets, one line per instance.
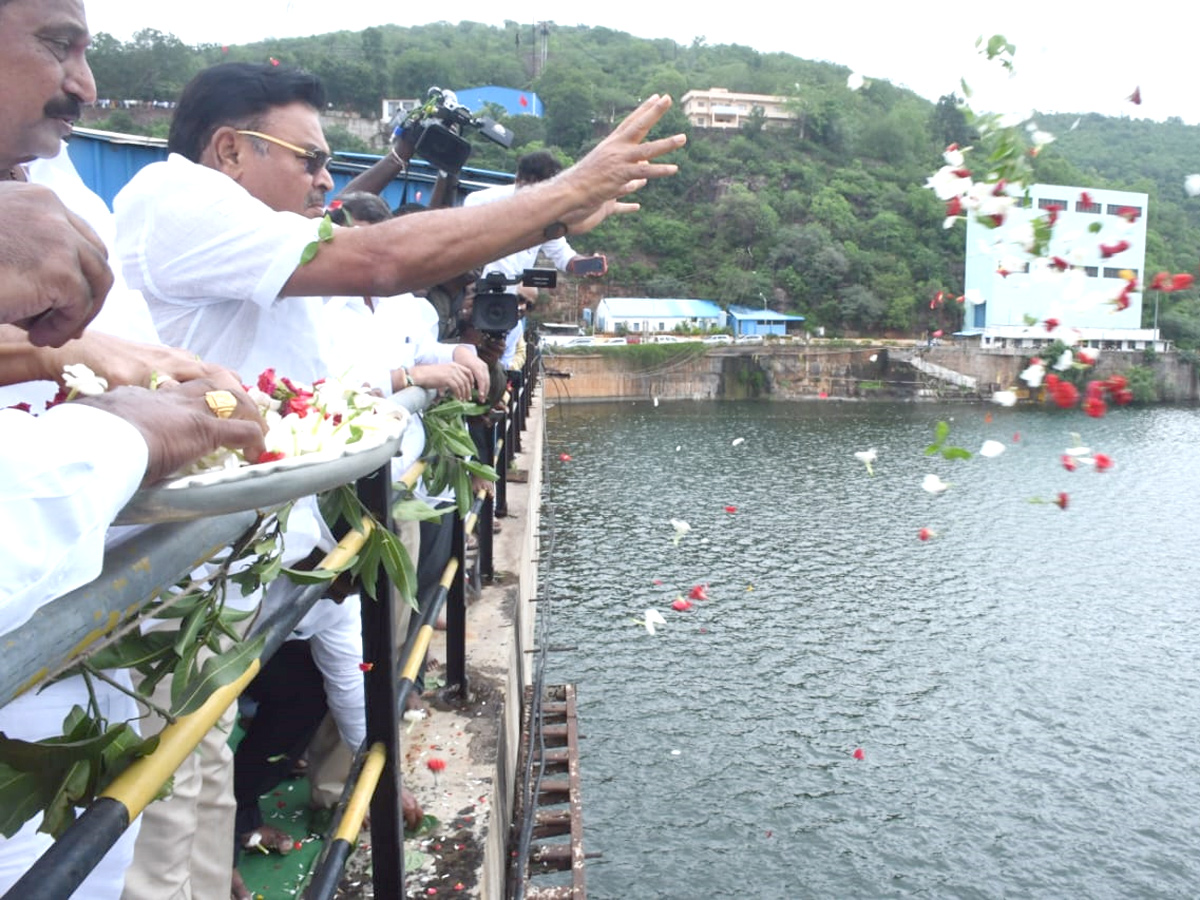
[532, 168]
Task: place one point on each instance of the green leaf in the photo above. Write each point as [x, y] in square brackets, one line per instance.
[309, 251]
[216, 672]
[1094, 228]
[367, 569]
[133, 651]
[315, 576]
[60, 811]
[414, 511]
[941, 432]
[956, 453]
[185, 671]
[189, 629]
[325, 229]
[22, 796]
[399, 567]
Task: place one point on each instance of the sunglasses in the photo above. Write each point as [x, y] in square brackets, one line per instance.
[314, 160]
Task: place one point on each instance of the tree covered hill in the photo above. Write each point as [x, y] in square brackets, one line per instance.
[828, 218]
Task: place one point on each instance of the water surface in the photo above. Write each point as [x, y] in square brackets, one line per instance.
[1024, 686]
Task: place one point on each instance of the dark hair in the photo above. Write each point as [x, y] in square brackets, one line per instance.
[359, 208]
[537, 166]
[236, 94]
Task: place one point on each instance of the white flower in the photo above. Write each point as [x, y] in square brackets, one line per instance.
[955, 156]
[1064, 361]
[653, 619]
[82, 380]
[1033, 376]
[947, 183]
[855, 82]
[933, 484]
[1005, 398]
[681, 528]
[1078, 450]
[737, 441]
[1040, 138]
[1191, 185]
[991, 449]
[866, 457]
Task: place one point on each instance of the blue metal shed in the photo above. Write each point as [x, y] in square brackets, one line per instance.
[106, 161]
[747, 320]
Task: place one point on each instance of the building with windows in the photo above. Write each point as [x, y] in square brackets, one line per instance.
[722, 108]
[655, 315]
[1098, 243]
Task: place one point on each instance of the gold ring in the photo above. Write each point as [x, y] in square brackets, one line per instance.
[221, 402]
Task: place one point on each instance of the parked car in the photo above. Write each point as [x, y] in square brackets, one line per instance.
[718, 339]
[748, 339]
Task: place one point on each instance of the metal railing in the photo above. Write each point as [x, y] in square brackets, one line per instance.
[134, 573]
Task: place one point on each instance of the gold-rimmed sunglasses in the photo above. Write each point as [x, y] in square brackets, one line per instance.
[314, 160]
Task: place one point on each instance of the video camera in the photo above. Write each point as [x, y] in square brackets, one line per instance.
[496, 311]
[434, 130]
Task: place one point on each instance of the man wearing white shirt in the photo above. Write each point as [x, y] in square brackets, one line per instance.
[65, 475]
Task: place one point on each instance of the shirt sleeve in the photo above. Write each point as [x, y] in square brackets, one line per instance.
[337, 651]
[64, 476]
[559, 252]
[183, 228]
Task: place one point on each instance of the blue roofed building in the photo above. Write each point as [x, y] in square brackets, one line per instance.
[653, 315]
[747, 320]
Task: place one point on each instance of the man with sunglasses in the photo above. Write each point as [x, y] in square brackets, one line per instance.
[214, 235]
[220, 239]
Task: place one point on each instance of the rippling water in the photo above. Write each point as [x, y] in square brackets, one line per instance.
[1024, 687]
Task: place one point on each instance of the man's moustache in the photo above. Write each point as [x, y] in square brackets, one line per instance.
[66, 108]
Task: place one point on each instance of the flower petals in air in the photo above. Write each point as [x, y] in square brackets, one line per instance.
[564, 457]
[859, 754]
[925, 534]
[866, 457]
[737, 441]
[731, 509]
[933, 484]
[1191, 185]
[1103, 462]
[855, 82]
[991, 449]
[1061, 501]
[1005, 398]
[436, 765]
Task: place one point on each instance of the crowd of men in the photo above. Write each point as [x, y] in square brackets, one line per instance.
[197, 282]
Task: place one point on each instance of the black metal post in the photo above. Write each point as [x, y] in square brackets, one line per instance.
[456, 625]
[383, 722]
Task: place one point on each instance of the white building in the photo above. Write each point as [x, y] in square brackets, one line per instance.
[646, 315]
[1098, 242]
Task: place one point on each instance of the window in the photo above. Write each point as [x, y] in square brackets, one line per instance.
[1046, 203]
[1091, 271]
[1082, 207]
[1116, 273]
[1128, 212]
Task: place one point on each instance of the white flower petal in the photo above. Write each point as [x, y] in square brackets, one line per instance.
[991, 449]
[1005, 398]
[933, 484]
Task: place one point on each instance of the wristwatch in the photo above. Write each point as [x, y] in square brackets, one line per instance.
[555, 230]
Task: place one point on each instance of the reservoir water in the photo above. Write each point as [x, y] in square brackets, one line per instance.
[1023, 686]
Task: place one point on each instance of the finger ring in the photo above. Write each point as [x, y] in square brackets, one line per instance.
[222, 403]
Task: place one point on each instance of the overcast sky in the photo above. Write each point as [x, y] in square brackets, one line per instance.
[1071, 56]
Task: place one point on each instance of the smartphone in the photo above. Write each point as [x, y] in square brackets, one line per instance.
[590, 265]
